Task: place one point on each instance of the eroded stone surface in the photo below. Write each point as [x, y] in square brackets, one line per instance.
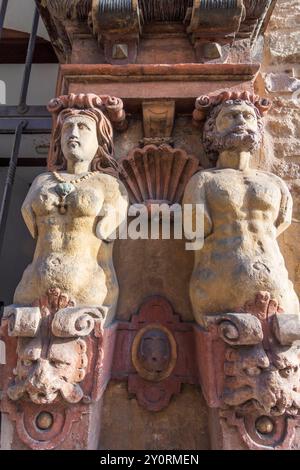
[52, 353]
[73, 215]
[283, 122]
[245, 211]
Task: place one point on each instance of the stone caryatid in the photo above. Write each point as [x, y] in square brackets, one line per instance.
[60, 330]
[248, 311]
[245, 210]
[74, 210]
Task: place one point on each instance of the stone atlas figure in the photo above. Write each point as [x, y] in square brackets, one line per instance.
[245, 210]
[73, 210]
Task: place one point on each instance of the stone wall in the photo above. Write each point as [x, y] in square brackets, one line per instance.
[280, 80]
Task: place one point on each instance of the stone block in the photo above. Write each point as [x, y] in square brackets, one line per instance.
[284, 46]
[281, 83]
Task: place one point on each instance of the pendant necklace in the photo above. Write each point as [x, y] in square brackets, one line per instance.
[64, 188]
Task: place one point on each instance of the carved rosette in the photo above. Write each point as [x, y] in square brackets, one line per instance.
[157, 174]
[58, 363]
[249, 366]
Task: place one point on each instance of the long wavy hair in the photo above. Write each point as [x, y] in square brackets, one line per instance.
[103, 160]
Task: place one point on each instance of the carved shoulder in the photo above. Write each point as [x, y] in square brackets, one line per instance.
[195, 189]
[114, 210]
[112, 187]
[195, 196]
[284, 217]
[27, 211]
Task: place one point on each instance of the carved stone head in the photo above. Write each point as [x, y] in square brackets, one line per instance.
[44, 377]
[82, 131]
[52, 352]
[79, 140]
[91, 133]
[232, 121]
[232, 125]
[268, 383]
[262, 358]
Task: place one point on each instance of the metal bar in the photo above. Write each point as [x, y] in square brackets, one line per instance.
[10, 181]
[36, 111]
[2, 14]
[22, 108]
[1, 315]
[38, 125]
[25, 162]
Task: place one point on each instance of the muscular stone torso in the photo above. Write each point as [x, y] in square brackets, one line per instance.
[240, 255]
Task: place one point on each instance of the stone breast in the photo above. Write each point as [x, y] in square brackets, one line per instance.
[83, 201]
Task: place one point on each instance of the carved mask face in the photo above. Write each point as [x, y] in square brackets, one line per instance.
[155, 351]
[79, 140]
[44, 378]
[253, 381]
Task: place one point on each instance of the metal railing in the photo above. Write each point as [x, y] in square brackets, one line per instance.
[20, 119]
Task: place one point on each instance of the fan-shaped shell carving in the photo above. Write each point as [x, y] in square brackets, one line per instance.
[157, 174]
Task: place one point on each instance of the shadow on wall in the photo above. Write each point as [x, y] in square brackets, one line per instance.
[18, 246]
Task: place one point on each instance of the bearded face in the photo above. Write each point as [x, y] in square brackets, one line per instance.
[234, 125]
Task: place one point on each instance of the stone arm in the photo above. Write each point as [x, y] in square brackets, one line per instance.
[284, 217]
[27, 211]
[114, 210]
[195, 193]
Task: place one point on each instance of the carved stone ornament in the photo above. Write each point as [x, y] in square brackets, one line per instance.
[118, 25]
[245, 210]
[250, 368]
[157, 174]
[154, 352]
[213, 25]
[248, 362]
[61, 357]
[158, 120]
[161, 348]
[205, 104]
[60, 348]
[86, 185]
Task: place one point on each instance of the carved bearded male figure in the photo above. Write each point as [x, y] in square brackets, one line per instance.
[73, 213]
[245, 210]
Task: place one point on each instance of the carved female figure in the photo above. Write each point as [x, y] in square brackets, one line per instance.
[244, 212]
[72, 213]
